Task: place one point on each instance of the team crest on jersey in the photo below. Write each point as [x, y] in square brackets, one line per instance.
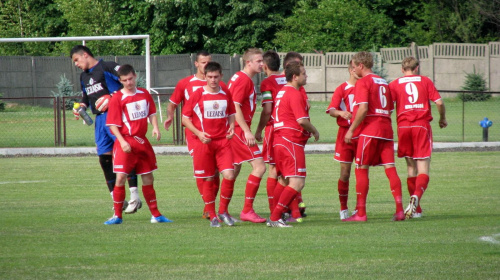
[216, 105]
[137, 106]
[91, 81]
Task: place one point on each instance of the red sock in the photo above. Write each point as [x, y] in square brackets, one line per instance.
[150, 196]
[343, 188]
[278, 189]
[362, 187]
[410, 181]
[118, 198]
[395, 184]
[294, 208]
[284, 201]
[251, 189]
[421, 185]
[209, 198]
[299, 197]
[216, 184]
[270, 185]
[226, 193]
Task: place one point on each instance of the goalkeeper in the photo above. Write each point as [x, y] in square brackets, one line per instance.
[98, 81]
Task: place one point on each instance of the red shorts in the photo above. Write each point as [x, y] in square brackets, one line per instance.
[291, 158]
[242, 152]
[142, 157]
[414, 140]
[267, 145]
[374, 151]
[344, 152]
[207, 158]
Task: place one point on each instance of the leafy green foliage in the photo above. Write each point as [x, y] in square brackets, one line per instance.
[475, 81]
[2, 104]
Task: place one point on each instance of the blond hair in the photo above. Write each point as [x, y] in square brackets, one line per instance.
[364, 58]
[409, 64]
[248, 55]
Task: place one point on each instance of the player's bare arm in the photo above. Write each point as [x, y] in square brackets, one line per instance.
[264, 118]
[442, 114]
[360, 116]
[123, 143]
[338, 113]
[249, 137]
[170, 115]
[203, 136]
[230, 130]
[307, 125]
[156, 131]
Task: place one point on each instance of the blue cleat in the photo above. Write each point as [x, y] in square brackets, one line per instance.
[160, 219]
[113, 221]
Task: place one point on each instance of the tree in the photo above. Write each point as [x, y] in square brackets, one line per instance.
[334, 25]
[475, 81]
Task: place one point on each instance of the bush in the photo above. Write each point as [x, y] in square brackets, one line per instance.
[2, 104]
[65, 89]
[475, 82]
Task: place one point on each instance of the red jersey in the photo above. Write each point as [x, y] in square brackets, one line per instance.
[290, 107]
[374, 90]
[209, 112]
[269, 89]
[343, 100]
[130, 112]
[412, 95]
[185, 88]
[243, 93]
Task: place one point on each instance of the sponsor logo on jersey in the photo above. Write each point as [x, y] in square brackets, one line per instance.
[117, 67]
[137, 110]
[215, 109]
[409, 79]
[281, 80]
[93, 88]
[414, 106]
[235, 77]
[379, 81]
[380, 111]
[280, 94]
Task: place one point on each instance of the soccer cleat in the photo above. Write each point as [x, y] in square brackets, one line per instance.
[344, 214]
[160, 219]
[215, 222]
[133, 206]
[206, 215]
[234, 219]
[399, 216]
[294, 220]
[355, 218]
[113, 221]
[226, 219]
[302, 209]
[252, 217]
[416, 215]
[412, 207]
[279, 223]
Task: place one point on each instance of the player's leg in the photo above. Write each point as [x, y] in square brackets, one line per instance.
[343, 188]
[226, 193]
[251, 188]
[149, 193]
[421, 184]
[272, 180]
[395, 186]
[295, 185]
[135, 202]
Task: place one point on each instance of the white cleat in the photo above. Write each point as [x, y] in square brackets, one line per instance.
[133, 206]
[344, 214]
[412, 207]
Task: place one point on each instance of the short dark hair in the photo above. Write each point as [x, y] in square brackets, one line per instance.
[80, 49]
[202, 53]
[272, 60]
[291, 69]
[213, 66]
[125, 69]
[291, 56]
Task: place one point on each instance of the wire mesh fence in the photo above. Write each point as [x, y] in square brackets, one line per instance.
[25, 123]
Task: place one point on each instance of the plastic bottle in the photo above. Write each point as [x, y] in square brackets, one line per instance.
[81, 111]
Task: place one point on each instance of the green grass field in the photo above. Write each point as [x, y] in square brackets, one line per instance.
[53, 209]
[24, 126]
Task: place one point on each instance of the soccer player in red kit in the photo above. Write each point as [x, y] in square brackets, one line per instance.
[243, 144]
[182, 92]
[209, 115]
[292, 129]
[128, 114]
[372, 123]
[412, 94]
[269, 88]
[341, 108]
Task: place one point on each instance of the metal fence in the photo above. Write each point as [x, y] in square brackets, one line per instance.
[24, 125]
